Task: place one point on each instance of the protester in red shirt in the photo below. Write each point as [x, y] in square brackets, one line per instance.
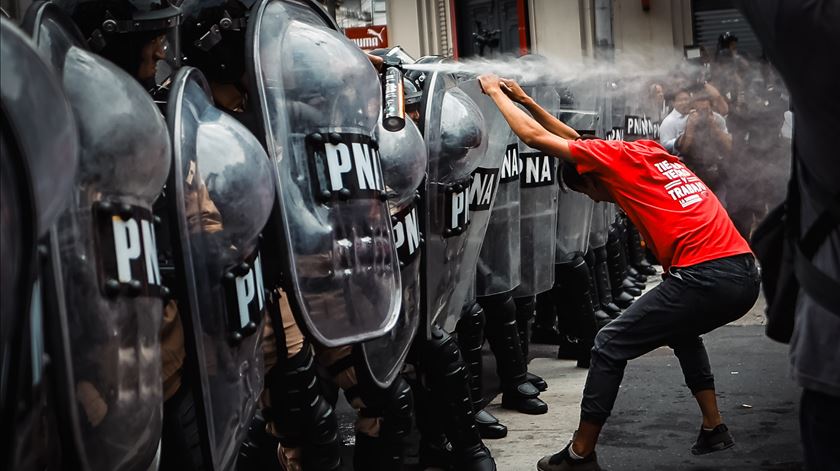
[711, 274]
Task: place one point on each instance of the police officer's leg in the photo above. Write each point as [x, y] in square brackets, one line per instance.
[623, 290]
[579, 315]
[638, 279]
[470, 330]
[448, 382]
[384, 415]
[434, 447]
[517, 392]
[602, 280]
[525, 310]
[296, 409]
[544, 329]
[180, 439]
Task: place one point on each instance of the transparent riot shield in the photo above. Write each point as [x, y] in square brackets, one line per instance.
[574, 210]
[498, 268]
[482, 193]
[456, 140]
[38, 162]
[404, 163]
[318, 98]
[222, 192]
[31, 128]
[600, 228]
[108, 283]
[538, 200]
[574, 220]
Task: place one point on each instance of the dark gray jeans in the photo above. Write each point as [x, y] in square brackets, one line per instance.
[690, 302]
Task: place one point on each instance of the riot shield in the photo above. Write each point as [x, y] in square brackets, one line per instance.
[498, 268]
[539, 198]
[403, 167]
[574, 210]
[108, 284]
[38, 162]
[600, 227]
[455, 136]
[482, 193]
[42, 136]
[574, 220]
[318, 98]
[222, 192]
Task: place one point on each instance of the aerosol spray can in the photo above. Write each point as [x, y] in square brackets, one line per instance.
[393, 113]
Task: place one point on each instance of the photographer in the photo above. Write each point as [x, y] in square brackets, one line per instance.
[697, 134]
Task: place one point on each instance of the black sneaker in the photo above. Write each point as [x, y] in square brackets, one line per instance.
[716, 439]
[562, 461]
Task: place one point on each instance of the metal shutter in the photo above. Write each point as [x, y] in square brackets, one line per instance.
[710, 24]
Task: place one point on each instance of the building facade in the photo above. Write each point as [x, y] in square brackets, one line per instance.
[566, 29]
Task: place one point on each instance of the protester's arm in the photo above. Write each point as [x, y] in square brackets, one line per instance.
[719, 103]
[686, 140]
[546, 119]
[523, 125]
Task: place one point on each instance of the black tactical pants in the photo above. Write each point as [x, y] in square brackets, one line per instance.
[690, 302]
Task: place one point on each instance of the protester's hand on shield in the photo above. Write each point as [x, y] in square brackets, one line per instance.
[490, 83]
[514, 91]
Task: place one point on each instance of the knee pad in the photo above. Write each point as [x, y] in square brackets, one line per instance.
[470, 329]
[442, 357]
[498, 309]
[526, 307]
[398, 411]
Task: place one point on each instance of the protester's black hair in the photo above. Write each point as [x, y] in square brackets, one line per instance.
[570, 179]
[569, 176]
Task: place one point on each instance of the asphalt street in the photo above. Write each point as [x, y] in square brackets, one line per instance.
[656, 419]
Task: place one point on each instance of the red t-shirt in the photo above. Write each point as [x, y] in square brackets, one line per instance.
[681, 220]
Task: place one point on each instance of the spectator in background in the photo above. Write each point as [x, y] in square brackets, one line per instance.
[760, 163]
[657, 106]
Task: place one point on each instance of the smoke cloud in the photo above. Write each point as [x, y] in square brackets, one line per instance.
[752, 178]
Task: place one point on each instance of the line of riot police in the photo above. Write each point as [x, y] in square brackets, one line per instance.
[206, 224]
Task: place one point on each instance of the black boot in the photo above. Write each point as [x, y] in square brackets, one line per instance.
[637, 276]
[636, 252]
[578, 309]
[301, 414]
[525, 307]
[602, 280]
[620, 293]
[489, 426]
[601, 316]
[395, 406]
[470, 331]
[448, 381]
[544, 330]
[517, 393]
[632, 275]
[435, 450]
[259, 449]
